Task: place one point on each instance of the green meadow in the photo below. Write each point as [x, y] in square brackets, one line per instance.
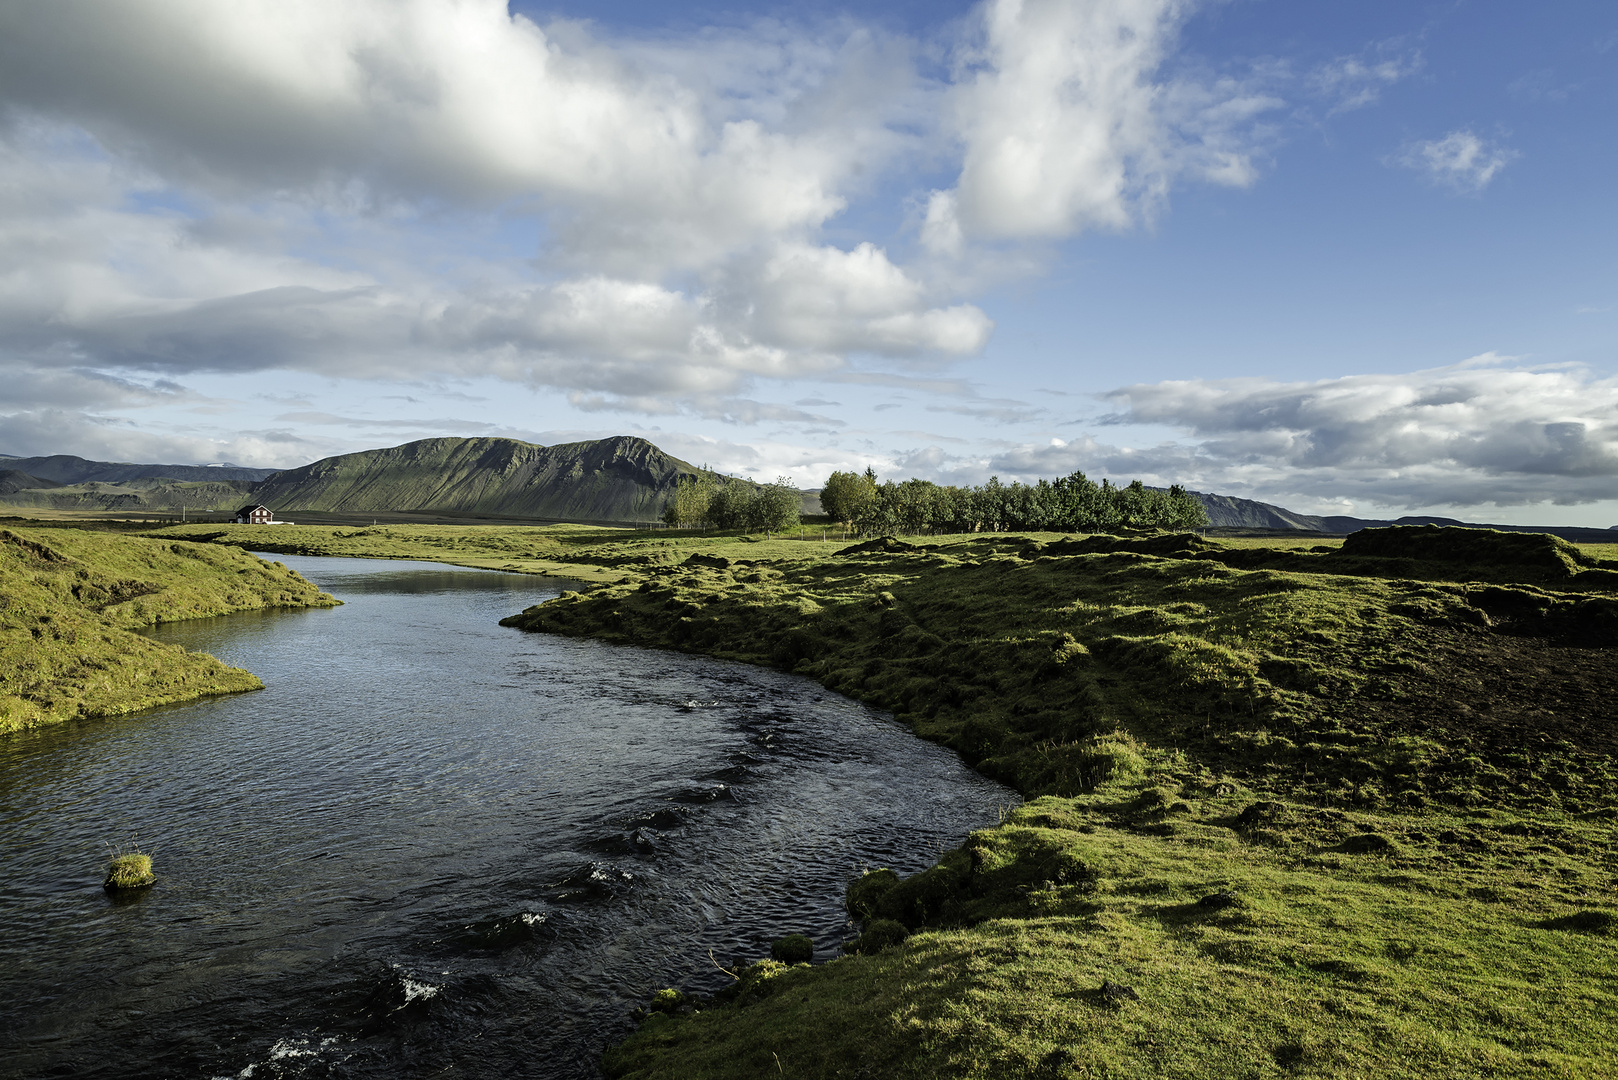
[71, 601]
[1294, 808]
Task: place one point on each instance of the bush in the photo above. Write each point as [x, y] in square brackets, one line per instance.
[793, 949]
[879, 934]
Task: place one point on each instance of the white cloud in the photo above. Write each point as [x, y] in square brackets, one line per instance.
[425, 99]
[1353, 82]
[825, 298]
[1477, 433]
[1460, 160]
[1065, 128]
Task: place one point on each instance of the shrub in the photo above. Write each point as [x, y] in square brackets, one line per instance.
[879, 934]
[793, 949]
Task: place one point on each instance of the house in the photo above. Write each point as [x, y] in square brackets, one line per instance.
[255, 515]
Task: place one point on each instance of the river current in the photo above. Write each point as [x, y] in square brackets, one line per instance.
[433, 845]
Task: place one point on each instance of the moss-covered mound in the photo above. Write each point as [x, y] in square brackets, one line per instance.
[70, 599]
[1096, 936]
[1025, 656]
[1303, 813]
[129, 871]
[1486, 550]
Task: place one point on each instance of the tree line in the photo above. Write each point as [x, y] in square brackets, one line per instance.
[1072, 503]
[711, 501]
[861, 502]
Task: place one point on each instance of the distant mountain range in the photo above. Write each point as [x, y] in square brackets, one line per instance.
[1225, 511]
[66, 469]
[618, 479]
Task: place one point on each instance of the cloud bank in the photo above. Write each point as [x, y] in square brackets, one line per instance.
[1478, 433]
[436, 188]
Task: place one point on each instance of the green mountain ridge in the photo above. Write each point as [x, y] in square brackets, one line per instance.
[616, 479]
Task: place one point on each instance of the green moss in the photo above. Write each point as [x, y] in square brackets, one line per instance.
[69, 601]
[131, 870]
[1267, 832]
[793, 949]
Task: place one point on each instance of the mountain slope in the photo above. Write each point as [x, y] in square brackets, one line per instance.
[11, 480]
[616, 479]
[67, 469]
[1230, 512]
[1226, 510]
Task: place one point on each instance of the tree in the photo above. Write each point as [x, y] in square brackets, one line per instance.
[689, 507]
[847, 496]
[774, 507]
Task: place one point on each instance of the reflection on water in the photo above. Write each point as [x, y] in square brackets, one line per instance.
[434, 843]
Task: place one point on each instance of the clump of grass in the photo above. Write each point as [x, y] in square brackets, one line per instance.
[793, 949]
[879, 934]
[866, 891]
[130, 869]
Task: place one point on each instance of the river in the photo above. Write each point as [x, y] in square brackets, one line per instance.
[433, 844]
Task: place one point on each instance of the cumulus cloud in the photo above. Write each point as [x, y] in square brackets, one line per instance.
[1460, 160]
[1067, 127]
[1478, 433]
[422, 98]
[437, 189]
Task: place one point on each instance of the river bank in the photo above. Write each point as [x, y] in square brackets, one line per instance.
[434, 845]
[71, 601]
[1303, 809]
[1344, 811]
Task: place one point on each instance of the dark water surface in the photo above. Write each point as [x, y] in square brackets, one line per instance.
[434, 845]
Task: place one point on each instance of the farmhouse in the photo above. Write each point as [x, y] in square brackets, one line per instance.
[254, 515]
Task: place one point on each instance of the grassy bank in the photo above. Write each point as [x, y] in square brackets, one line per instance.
[583, 552]
[1318, 810]
[70, 601]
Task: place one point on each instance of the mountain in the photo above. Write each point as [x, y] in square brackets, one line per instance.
[149, 495]
[1230, 512]
[13, 480]
[616, 479]
[66, 469]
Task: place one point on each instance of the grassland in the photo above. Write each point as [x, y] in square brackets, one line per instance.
[71, 601]
[1295, 808]
[582, 552]
[1302, 810]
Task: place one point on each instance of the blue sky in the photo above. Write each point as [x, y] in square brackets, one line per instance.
[1351, 257]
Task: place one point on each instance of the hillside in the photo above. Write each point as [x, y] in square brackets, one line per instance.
[67, 469]
[1226, 511]
[153, 494]
[617, 479]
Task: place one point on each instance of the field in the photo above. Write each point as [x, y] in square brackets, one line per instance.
[1304, 810]
[70, 601]
[1333, 809]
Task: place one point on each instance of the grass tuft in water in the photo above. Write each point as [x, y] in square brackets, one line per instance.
[129, 870]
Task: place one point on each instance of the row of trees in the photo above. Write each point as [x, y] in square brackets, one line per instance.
[1070, 504]
[861, 502]
[710, 501]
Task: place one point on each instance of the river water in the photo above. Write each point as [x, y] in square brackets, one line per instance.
[434, 845]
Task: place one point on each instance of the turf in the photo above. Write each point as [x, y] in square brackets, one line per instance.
[1391, 773]
[70, 601]
[1334, 809]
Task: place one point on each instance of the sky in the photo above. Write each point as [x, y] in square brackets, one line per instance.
[1347, 256]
